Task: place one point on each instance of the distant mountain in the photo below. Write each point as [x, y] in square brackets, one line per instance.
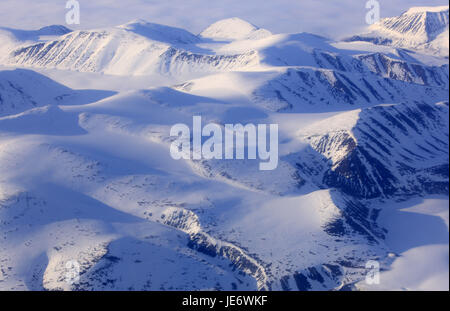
[12, 38]
[419, 28]
[21, 90]
[234, 29]
[134, 48]
[337, 82]
[24, 35]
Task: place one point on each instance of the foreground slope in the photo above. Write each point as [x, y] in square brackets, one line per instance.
[135, 48]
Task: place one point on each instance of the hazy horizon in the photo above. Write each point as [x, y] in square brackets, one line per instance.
[280, 16]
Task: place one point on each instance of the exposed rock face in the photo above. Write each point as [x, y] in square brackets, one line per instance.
[21, 90]
[389, 151]
[365, 80]
[121, 51]
[233, 29]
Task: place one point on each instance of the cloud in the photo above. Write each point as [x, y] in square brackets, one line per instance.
[331, 18]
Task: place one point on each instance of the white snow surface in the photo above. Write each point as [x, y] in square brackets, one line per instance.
[418, 234]
[86, 172]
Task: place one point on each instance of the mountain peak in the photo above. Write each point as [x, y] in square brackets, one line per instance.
[421, 28]
[158, 32]
[234, 29]
[23, 35]
[420, 23]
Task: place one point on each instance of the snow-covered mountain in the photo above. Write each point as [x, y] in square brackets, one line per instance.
[135, 48]
[142, 48]
[419, 28]
[30, 35]
[21, 90]
[233, 29]
[116, 202]
[86, 173]
[386, 150]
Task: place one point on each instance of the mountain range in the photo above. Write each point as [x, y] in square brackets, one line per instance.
[86, 173]
[419, 28]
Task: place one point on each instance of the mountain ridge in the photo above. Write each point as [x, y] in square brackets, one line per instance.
[419, 28]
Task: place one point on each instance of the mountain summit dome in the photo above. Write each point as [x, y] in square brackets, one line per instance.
[234, 29]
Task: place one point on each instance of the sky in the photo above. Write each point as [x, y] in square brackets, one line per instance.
[332, 18]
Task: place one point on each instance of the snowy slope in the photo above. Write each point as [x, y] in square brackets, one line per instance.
[14, 38]
[21, 90]
[387, 150]
[140, 190]
[87, 175]
[364, 81]
[34, 35]
[143, 48]
[233, 29]
[426, 249]
[306, 89]
[135, 48]
[161, 33]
